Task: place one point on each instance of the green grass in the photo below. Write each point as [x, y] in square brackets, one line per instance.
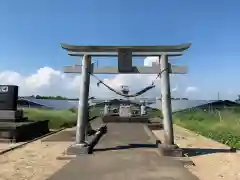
[222, 126]
[155, 113]
[57, 118]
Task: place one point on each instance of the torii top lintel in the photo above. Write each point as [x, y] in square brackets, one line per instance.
[174, 50]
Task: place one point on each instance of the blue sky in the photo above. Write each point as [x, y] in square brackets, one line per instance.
[31, 33]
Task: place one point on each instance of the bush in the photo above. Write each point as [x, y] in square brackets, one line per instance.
[222, 126]
[73, 110]
[155, 113]
[57, 118]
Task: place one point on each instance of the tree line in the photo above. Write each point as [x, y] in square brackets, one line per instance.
[51, 97]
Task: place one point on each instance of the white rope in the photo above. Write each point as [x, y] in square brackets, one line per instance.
[129, 95]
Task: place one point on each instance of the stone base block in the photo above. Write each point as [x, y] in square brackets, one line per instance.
[78, 149]
[170, 150]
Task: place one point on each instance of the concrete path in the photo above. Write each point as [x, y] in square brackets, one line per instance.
[124, 153]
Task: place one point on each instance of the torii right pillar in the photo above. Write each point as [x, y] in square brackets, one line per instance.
[166, 101]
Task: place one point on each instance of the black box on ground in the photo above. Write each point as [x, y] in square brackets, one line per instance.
[10, 114]
[8, 97]
[23, 131]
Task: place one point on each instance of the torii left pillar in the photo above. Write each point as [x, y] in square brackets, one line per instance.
[166, 101]
[80, 145]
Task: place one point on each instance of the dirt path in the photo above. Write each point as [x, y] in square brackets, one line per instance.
[210, 165]
[35, 161]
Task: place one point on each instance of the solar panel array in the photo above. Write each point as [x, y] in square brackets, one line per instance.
[177, 105]
[55, 104]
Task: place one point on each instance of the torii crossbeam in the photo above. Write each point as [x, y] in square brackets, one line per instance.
[125, 54]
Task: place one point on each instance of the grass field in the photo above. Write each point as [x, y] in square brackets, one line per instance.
[222, 126]
[57, 118]
[155, 113]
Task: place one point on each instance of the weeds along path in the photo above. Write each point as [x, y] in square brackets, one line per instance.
[220, 125]
[212, 159]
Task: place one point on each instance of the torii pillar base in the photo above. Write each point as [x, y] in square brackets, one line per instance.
[78, 149]
[170, 150]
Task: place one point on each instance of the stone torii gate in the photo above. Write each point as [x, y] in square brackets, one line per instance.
[125, 54]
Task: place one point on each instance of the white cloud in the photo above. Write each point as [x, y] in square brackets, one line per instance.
[47, 81]
[191, 89]
[152, 59]
[175, 89]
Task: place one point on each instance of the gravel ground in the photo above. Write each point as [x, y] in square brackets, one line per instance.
[35, 161]
[209, 166]
[6, 145]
